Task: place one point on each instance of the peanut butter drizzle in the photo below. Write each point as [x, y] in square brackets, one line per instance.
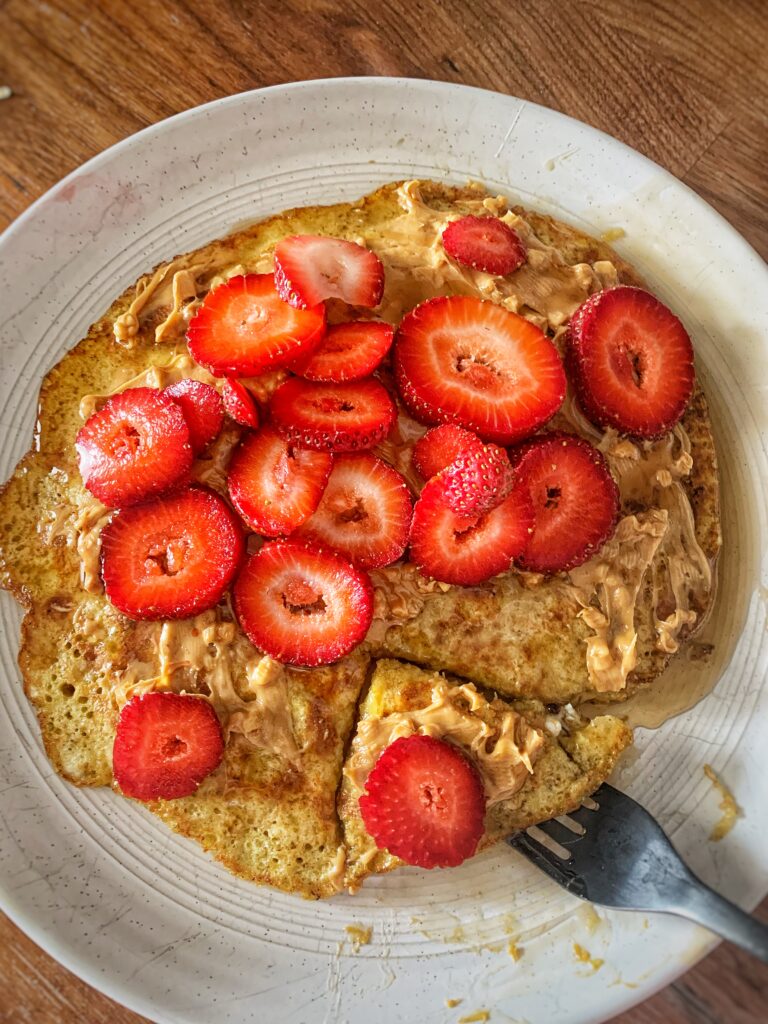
[504, 753]
[613, 578]
[204, 654]
[399, 594]
[546, 289]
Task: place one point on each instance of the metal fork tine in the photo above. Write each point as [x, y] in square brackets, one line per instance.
[543, 858]
[559, 832]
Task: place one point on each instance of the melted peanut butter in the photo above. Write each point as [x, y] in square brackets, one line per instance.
[607, 587]
[545, 289]
[399, 594]
[504, 753]
[205, 655]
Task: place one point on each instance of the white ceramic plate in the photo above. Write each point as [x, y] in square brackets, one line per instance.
[142, 914]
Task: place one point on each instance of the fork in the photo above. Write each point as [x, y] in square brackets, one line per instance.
[613, 853]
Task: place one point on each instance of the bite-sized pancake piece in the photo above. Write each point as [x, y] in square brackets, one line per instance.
[268, 813]
[534, 765]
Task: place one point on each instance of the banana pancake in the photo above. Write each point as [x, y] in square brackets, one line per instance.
[269, 810]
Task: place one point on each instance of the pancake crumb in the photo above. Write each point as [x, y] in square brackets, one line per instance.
[477, 1016]
[731, 810]
[515, 951]
[450, 1003]
[612, 234]
[359, 934]
[585, 957]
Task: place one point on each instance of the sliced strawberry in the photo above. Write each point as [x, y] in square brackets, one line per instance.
[575, 500]
[484, 243]
[333, 417]
[203, 410]
[136, 446]
[440, 446]
[275, 485]
[239, 403]
[165, 745]
[468, 549]
[631, 361]
[364, 513]
[243, 328]
[173, 557]
[477, 480]
[348, 351]
[461, 360]
[303, 606]
[312, 268]
[424, 802]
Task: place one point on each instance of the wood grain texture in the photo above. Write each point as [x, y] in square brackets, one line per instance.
[683, 81]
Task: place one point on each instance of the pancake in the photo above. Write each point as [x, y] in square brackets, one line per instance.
[268, 812]
[570, 757]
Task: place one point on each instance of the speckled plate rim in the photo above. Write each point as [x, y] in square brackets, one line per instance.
[664, 220]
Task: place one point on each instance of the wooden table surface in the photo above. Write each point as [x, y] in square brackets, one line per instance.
[683, 81]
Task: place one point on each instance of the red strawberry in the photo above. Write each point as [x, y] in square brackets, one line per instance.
[364, 513]
[136, 446]
[333, 417]
[348, 351]
[243, 328]
[575, 500]
[303, 606]
[424, 802]
[171, 558]
[239, 403]
[477, 480]
[440, 446]
[273, 484]
[468, 549]
[631, 361]
[484, 243]
[203, 410]
[461, 360]
[165, 745]
[312, 268]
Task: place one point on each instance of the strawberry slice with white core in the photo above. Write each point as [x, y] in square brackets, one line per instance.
[165, 745]
[244, 328]
[312, 268]
[631, 360]
[441, 446]
[462, 360]
[203, 410]
[364, 513]
[136, 446]
[484, 243]
[349, 351]
[303, 606]
[275, 485]
[333, 417]
[173, 557]
[468, 550]
[424, 802]
[239, 404]
[575, 500]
